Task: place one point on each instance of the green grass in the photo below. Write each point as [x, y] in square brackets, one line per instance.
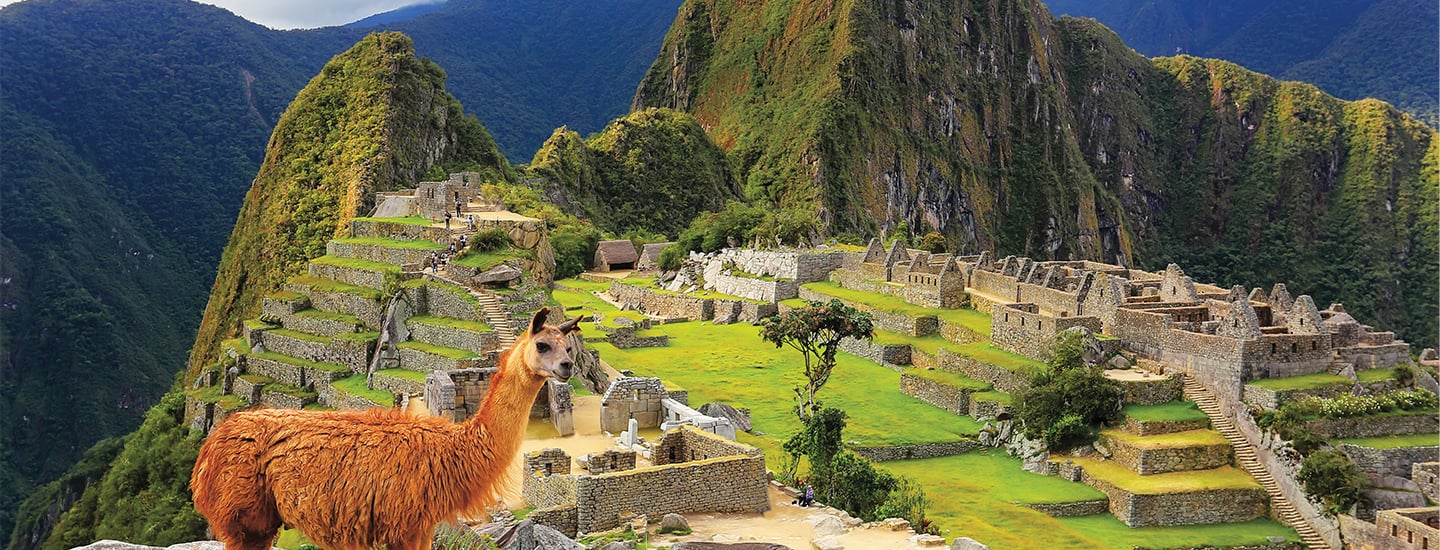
[416, 244]
[648, 283]
[491, 258]
[238, 345]
[583, 285]
[355, 385]
[211, 394]
[1303, 382]
[1165, 412]
[577, 388]
[407, 220]
[328, 316]
[316, 406]
[1393, 441]
[257, 379]
[304, 363]
[986, 353]
[286, 296]
[992, 395]
[1375, 375]
[952, 379]
[1173, 440]
[453, 353]
[357, 263]
[929, 345]
[292, 539]
[462, 324]
[256, 324]
[330, 285]
[968, 318]
[976, 494]
[1224, 477]
[287, 389]
[407, 374]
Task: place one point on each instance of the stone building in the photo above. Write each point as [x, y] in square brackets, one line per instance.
[1408, 528]
[650, 256]
[615, 255]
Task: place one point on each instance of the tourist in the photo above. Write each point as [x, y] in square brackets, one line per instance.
[470, 222]
[457, 208]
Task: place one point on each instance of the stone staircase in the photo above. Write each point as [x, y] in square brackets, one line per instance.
[1247, 459]
[495, 313]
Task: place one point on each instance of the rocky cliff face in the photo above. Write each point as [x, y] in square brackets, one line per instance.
[1007, 129]
[376, 118]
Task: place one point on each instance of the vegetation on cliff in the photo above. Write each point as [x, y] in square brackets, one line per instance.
[650, 171]
[1004, 129]
[376, 118]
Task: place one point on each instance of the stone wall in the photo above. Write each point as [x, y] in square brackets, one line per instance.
[688, 444]
[1157, 427]
[1407, 529]
[624, 338]
[1055, 302]
[982, 409]
[995, 285]
[340, 351]
[332, 397]
[273, 310]
[376, 253]
[800, 266]
[1146, 461]
[1375, 426]
[367, 310]
[559, 518]
[1397, 462]
[350, 275]
[610, 460]
[1072, 509]
[400, 231]
[884, 320]
[446, 300]
[960, 334]
[1151, 391]
[742, 311]
[916, 451]
[888, 355]
[452, 337]
[1003, 379]
[735, 483]
[755, 289]
[281, 400]
[1375, 357]
[1265, 398]
[632, 397]
[456, 395]
[1021, 329]
[319, 326]
[1278, 355]
[665, 305]
[1427, 476]
[940, 395]
[395, 384]
[424, 361]
[1198, 507]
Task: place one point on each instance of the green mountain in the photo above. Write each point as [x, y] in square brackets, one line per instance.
[1350, 48]
[1006, 129]
[374, 119]
[651, 171]
[132, 130]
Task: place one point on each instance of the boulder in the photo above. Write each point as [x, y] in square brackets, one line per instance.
[1103, 450]
[502, 273]
[550, 539]
[827, 543]
[926, 541]
[895, 524]
[697, 545]
[620, 545]
[829, 526]
[673, 522]
[740, 420]
[1386, 499]
[967, 543]
[1119, 362]
[725, 538]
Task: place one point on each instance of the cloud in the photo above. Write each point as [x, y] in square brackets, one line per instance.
[304, 14]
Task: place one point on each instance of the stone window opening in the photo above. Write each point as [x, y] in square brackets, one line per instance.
[1294, 347]
[1007, 317]
[1039, 325]
[1272, 349]
[1394, 531]
[1425, 543]
[1302, 321]
[1410, 536]
[1022, 321]
[1234, 322]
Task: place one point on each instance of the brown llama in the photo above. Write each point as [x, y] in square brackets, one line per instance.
[359, 479]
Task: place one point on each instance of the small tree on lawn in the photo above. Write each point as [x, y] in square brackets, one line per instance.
[815, 330]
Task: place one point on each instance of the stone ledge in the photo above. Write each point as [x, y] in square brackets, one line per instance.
[916, 451]
[1418, 422]
[1072, 509]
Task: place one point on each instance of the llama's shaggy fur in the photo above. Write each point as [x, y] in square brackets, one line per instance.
[360, 479]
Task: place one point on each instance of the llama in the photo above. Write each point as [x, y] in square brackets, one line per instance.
[359, 479]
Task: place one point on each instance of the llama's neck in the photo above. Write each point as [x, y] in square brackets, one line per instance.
[505, 411]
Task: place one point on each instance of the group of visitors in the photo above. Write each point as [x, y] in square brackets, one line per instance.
[806, 495]
[442, 257]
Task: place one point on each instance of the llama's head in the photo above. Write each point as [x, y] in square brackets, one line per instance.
[546, 348]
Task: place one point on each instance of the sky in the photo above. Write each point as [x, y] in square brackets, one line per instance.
[303, 14]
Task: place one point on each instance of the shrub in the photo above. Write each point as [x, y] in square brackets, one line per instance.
[1083, 393]
[1333, 478]
[1069, 432]
[1350, 405]
[907, 500]
[671, 258]
[854, 485]
[1405, 374]
[933, 242]
[488, 239]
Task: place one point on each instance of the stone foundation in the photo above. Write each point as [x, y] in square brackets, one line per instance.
[1072, 509]
[1157, 427]
[1397, 462]
[1153, 391]
[377, 253]
[888, 355]
[1003, 379]
[940, 395]
[1421, 422]
[1146, 461]
[451, 337]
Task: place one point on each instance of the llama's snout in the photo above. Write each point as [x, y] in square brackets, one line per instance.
[566, 369]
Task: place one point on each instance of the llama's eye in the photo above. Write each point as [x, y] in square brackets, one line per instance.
[542, 347]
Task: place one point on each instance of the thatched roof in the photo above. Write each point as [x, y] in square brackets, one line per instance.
[616, 252]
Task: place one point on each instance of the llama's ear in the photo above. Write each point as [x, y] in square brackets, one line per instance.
[537, 323]
[569, 326]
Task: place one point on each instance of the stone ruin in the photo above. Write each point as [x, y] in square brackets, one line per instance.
[639, 402]
[456, 395]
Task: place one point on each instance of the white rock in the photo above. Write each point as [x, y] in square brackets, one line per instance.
[827, 543]
[927, 540]
[829, 526]
[895, 524]
[967, 543]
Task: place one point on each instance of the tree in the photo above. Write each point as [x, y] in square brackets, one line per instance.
[1334, 478]
[1067, 399]
[933, 242]
[815, 330]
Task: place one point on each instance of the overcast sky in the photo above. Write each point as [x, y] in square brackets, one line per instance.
[303, 14]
